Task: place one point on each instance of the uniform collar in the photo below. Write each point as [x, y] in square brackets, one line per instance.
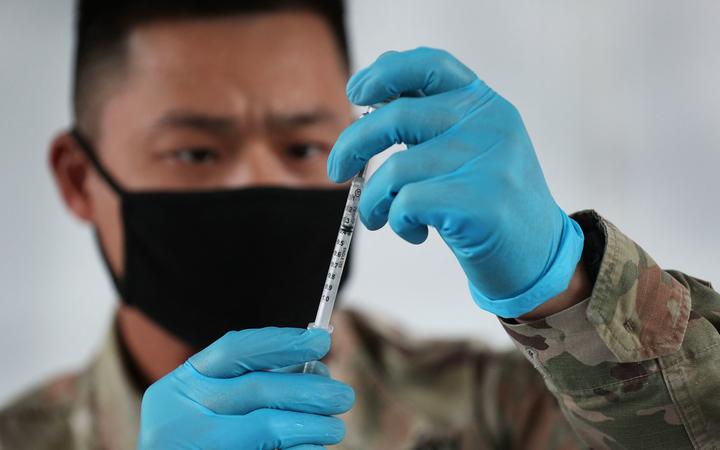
[117, 395]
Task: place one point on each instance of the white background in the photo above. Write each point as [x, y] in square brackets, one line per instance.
[621, 99]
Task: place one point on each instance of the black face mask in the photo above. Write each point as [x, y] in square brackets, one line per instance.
[201, 263]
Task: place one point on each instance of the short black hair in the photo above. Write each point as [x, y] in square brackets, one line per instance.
[102, 28]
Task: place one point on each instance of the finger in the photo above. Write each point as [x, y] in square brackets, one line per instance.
[319, 368]
[239, 352]
[268, 430]
[306, 393]
[428, 160]
[401, 219]
[443, 203]
[406, 120]
[285, 429]
[425, 70]
[307, 447]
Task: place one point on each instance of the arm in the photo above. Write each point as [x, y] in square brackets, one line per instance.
[636, 365]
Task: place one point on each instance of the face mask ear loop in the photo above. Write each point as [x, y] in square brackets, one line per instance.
[90, 153]
[116, 280]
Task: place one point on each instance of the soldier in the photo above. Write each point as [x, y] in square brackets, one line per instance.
[202, 135]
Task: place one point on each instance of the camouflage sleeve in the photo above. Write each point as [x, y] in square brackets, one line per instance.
[637, 365]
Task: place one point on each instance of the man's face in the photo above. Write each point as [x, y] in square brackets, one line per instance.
[247, 100]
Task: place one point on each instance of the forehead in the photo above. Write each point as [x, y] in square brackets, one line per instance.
[270, 58]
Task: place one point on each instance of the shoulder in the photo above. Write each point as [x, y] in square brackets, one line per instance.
[388, 346]
[44, 416]
[436, 390]
[448, 369]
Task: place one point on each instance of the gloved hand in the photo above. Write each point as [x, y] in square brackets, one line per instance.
[225, 398]
[470, 172]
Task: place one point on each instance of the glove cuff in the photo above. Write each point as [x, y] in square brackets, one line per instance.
[554, 281]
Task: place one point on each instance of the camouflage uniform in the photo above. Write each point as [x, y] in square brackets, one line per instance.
[637, 365]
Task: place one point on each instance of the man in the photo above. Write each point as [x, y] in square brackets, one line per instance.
[199, 154]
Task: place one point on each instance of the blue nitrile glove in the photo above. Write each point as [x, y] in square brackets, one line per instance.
[470, 172]
[227, 397]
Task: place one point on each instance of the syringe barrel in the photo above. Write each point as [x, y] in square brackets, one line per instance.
[340, 252]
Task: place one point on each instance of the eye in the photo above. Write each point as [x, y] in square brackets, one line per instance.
[196, 156]
[304, 150]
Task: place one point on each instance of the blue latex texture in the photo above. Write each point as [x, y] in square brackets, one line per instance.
[470, 171]
[246, 391]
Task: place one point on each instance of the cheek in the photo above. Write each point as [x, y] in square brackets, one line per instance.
[320, 176]
[107, 221]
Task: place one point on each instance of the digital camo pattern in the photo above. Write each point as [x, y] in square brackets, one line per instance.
[635, 366]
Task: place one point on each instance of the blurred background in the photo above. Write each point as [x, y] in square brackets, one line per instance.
[621, 99]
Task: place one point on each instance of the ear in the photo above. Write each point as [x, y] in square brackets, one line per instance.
[71, 170]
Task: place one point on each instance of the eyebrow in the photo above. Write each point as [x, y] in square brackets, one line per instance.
[301, 118]
[198, 121]
[223, 124]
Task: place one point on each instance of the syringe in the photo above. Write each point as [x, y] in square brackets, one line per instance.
[339, 256]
